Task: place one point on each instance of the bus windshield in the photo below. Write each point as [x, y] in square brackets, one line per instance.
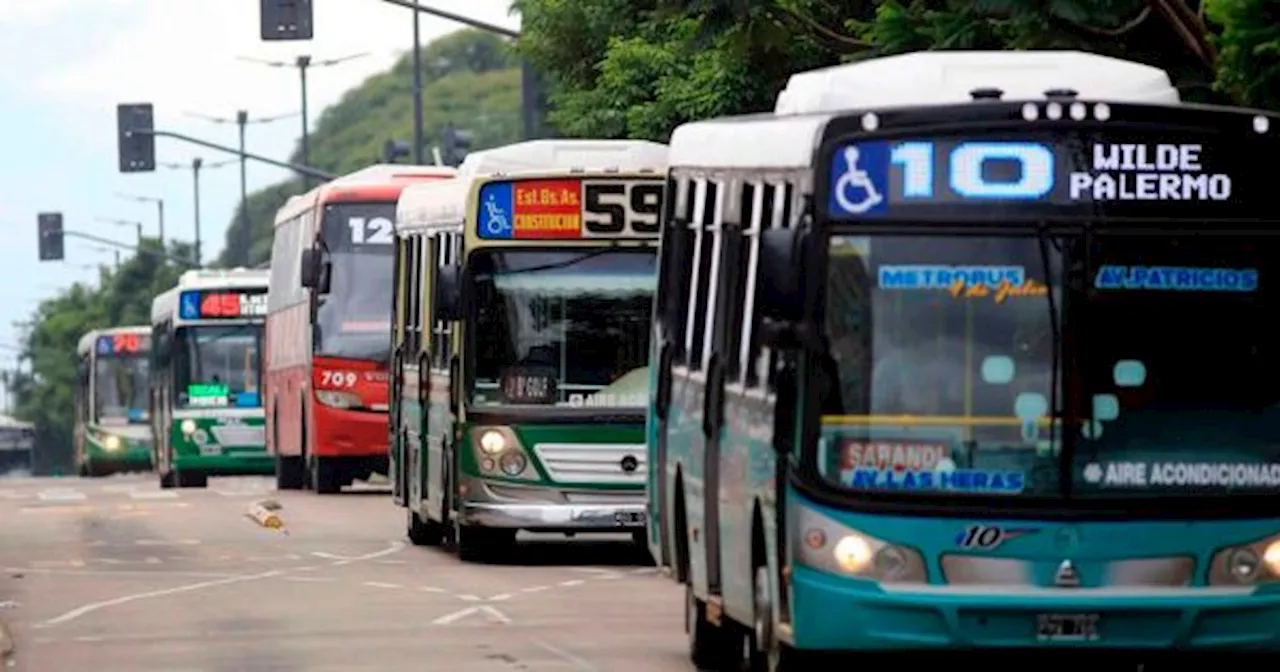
[939, 380]
[353, 320]
[120, 389]
[562, 327]
[1184, 352]
[218, 366]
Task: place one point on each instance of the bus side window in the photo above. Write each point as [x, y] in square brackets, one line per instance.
[740, 257]
[443, 252]
[775, 213]
[706, 245]
[675, 275]
[413, 320]
[397, 297]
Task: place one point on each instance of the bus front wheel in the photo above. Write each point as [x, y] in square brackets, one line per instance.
[708, 648]
[478, 544]
[424, 532]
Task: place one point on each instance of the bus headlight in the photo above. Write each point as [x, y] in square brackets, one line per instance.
[1258, 562]
[188, 426]
[823, 543]
[335, 399]
[111, 443]
[493, 442]
[513, 464]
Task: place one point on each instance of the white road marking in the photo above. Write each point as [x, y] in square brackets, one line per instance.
[327, 556]
[309, 579]
[573, 659]
[534, 589]
[379, 584]
[121, 487]
[469, 598]
[272, 558]
[156, 494]
[60, 495]
[97, 606]
[121, 572]
[575, 582]
[431, 589]
[645, 570]
[492, 613]
[499, 598]
[395, 547]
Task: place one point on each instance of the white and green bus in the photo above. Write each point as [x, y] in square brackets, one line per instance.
[112, 433]
[206, 377]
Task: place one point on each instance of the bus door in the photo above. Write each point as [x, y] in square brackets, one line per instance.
[438, 421]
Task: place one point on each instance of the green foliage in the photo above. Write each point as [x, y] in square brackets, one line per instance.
[623, 68]
[471, 80]
[45, 393]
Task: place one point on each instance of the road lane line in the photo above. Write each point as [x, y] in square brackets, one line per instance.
[432, 589]
[569, 584]
[500, 598]
[310, 579]
[469, 598]
[395, 547]
[120, 572]
[573, 659]
[154, 494]
[534, 589]
[98, 606]
[61, 496]
[455, 616]
[495, 614]
[379, 584]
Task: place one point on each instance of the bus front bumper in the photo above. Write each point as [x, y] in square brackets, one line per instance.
[549, 517]
[833, 613]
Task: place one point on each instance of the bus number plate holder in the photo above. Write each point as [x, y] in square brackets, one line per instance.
[629, 517]
[1067, 627]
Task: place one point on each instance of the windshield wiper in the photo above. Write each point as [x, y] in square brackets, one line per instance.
[555, 265]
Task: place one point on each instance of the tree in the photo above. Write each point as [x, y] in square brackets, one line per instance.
[622, 68]
[471, 80]
[45, 394]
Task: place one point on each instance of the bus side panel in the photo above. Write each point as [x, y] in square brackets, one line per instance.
[436, 465]
[287, 379]
[687, 448]
[747, 464]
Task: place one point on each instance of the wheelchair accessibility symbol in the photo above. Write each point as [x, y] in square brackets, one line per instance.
[496, 223]
[858, 175]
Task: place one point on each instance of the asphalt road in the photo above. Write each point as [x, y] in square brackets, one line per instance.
[116, 575]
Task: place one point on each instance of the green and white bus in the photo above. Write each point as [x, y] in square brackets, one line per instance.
[206, 374]
[112, 431]
[521, 343]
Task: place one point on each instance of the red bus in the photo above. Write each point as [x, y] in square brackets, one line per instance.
[328, 334]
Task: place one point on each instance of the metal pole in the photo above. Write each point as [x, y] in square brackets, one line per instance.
[419, 139]
[160, 206]
[242, 118]
[117, 260]
[303, 62]
[195, 178]
[139, 225]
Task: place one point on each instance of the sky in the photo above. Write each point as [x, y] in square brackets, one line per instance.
[70, 62]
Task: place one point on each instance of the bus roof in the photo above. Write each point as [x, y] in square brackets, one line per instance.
[166, 304]
[787, 137]
[85, 346]
[379, 182]
[435, 205]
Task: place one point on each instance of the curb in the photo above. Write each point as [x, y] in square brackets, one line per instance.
[265, 513]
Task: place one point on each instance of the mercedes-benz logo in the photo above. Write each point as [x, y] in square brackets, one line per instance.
[629, 464]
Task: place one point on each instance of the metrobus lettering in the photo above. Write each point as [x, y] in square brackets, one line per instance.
[945, 277]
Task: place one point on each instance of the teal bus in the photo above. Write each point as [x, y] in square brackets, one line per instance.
[112, 428]
[206, 377]
[970, 352]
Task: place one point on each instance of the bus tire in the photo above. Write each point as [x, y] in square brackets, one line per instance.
[289, 473]
[708, 648]
[82, 470]
[480, 544]
[424, 532]
[191, 479]
[167, 480]
[326, 475]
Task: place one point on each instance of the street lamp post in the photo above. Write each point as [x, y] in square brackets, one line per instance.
[159, 207]
[242, 120]
[197, 164]
[124, 222]
[304, 63]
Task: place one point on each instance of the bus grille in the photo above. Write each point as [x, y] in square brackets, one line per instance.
[239, 435]
[592, 463]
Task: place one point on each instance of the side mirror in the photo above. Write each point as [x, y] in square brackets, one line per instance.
[780, 296]
[325, 275]
[310, 265]
[448, 294]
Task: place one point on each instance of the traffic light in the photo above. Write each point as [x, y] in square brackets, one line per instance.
[285, 19]
[136, 136]
[455, 145]
[49, 226]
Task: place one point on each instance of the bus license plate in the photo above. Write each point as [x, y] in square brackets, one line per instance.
[629, 517]
[1067, 627]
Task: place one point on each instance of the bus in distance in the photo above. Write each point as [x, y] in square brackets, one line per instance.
[206, 377]
[329, 327]
[113, 408]
[17, 446]
[987, 364]
[521, 343]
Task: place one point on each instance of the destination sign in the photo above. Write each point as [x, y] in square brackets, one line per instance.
[222, 304]
[122, 345]
[1167, 174]
[570, 209]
